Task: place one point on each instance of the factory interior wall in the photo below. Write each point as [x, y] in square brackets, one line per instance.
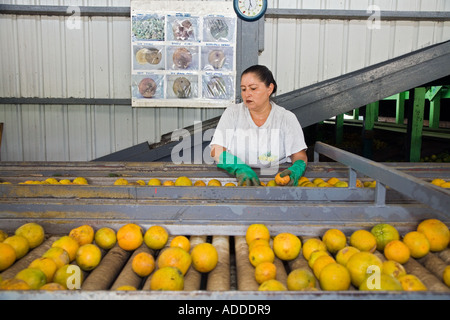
[41, 57]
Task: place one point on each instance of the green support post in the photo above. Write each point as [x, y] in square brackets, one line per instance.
[339, 128]
[371, 116]
[369, 124]
[435, 106]
[417, 124]
[356, 114]
[400, 108]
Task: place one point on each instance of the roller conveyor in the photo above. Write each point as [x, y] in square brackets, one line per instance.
[403, 197]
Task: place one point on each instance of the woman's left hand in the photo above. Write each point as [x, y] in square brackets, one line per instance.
[294, 172]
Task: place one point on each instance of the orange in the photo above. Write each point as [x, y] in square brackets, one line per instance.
[417, 243]
[168, 183]
[446, 276]
[315, 255]
[384, 233]
[265, 271]
[334, 240]
[140, 182]
[156, 237]
[303, 179]
[88, 256]
[83, 234]
[359, 184]
[286, 246]
[438, 182]
[204, 257]
[272, 285]
[183, 181]
[7, 256]
[126, 288]
[175, 257]
[341, 184]
[436, 232]
[154, 182]
[386, 283]
[20, 245]
[69, 276]
[282, 181]
[363, 240]
[181, 242]
[167, 278]
[230, 184]
[69, 244]
[14, 284]
[393, 268]
[143, 264]
[333, 181]
[320, 263]
[258, 242]
[334, 277]
[52, 287]
[58, 255]
[130, 237]
[3, 235]
[105, 238]
[261, 254]
[257, 231]
[33, 232]
[311, 245]
[214, 183]
[199, 183]
[79, 180]
[398, 251]
[344, 254]
[121, 182]
[301, 279]
[358, 263]
[46, 265]
[318, 181]
[410, 282]
[271, 183]
[35, 278]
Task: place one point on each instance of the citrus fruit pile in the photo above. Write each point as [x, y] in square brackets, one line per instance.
[441, 183]
[76, 181]
[365, 259]
[82, 249]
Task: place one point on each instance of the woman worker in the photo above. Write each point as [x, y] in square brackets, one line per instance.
[258, 133]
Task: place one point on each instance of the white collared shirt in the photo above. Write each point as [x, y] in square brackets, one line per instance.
[260, 147]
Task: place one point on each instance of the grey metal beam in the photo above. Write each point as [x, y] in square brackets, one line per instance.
[332, 97]
[357, 14]
[71, 101]
[417, 189]
[88, 11]
[270, 13]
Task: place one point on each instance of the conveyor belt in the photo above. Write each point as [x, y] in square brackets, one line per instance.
[222, 213]
[233, 262]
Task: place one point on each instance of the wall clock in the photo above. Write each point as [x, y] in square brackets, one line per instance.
[250, 10]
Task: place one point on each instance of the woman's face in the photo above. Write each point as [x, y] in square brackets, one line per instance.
[254, 92]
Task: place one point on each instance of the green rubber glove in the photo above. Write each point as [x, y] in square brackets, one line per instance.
[294, 172]
[236, 167]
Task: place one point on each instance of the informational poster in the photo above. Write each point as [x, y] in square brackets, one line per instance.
[183, 53]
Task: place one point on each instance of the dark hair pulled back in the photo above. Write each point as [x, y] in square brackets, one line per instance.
[264, 74]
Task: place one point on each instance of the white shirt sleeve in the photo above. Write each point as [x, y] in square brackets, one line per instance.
[294, 140]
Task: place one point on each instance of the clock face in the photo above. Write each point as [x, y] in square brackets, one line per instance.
[250, 10]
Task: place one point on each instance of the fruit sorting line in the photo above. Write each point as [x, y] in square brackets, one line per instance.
[233, 277]
[403, 197]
